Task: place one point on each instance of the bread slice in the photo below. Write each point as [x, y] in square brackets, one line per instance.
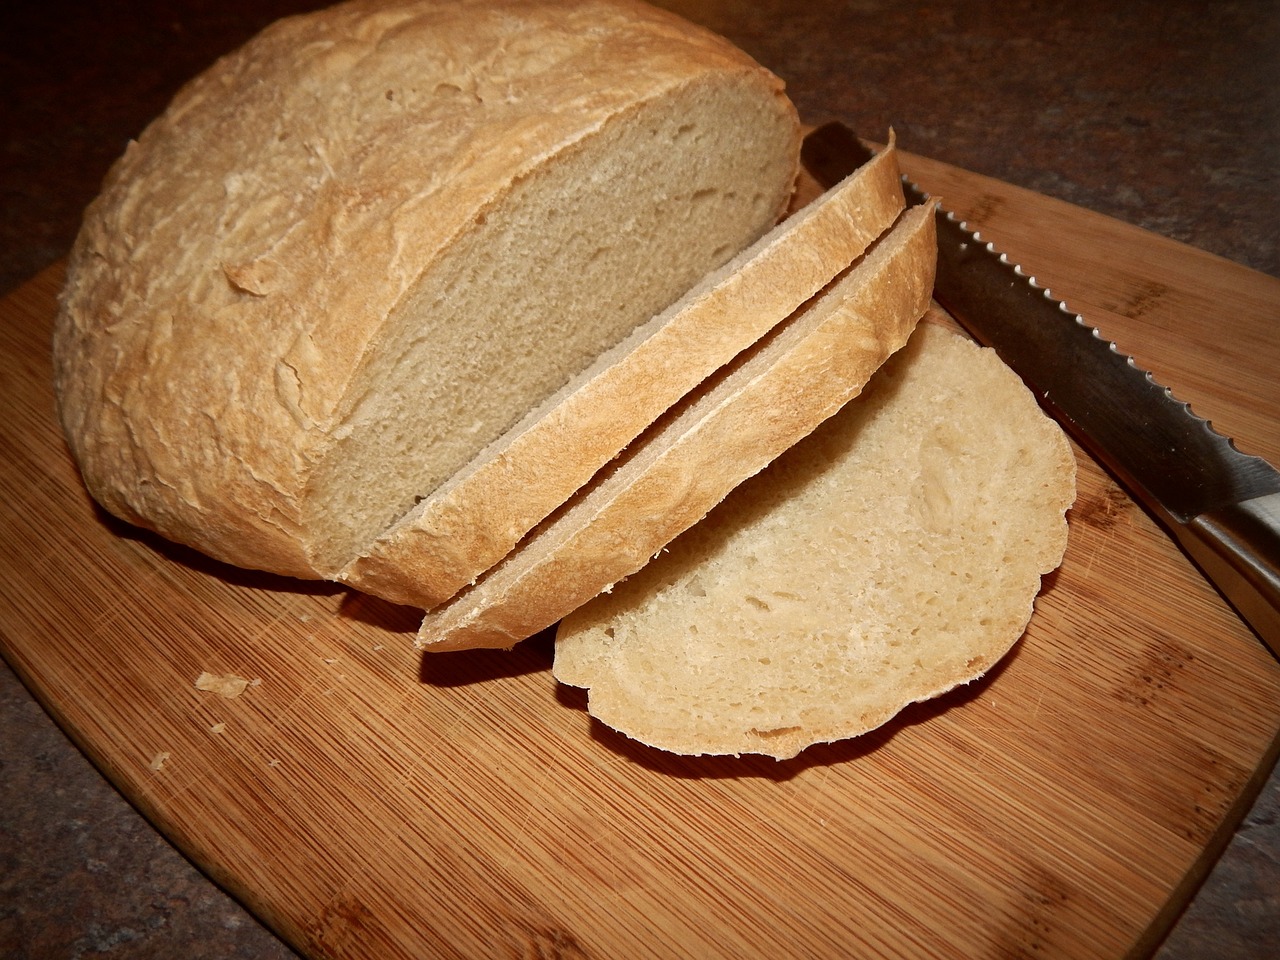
[477, 517]
[887, 558]
[355, 252]
[765, 401]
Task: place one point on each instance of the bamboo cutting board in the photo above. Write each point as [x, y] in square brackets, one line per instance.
[371, 802]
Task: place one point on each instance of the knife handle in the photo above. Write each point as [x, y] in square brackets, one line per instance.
[1238, 548]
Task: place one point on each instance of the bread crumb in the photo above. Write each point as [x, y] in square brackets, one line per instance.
[218, 728]
[159, 760]
[226, 685]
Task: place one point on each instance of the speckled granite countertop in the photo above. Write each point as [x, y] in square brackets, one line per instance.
[1163, 113]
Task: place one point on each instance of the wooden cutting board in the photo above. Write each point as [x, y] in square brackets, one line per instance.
[371, 802]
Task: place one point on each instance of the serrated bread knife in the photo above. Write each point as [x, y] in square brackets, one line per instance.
[1222, 506]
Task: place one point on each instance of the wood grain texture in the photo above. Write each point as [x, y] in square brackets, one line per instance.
[368, 801]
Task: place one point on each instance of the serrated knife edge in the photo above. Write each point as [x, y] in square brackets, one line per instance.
[1221, 505]
[1182, 475]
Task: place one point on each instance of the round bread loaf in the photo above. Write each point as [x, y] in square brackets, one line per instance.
[354, 252]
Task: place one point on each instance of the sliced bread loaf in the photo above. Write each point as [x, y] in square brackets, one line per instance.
[887, 558]
[355, 252]
[477, 517]
[766, 400]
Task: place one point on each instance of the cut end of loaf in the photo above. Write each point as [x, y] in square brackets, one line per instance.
[480, 514]
[581, 251]
[890, 557]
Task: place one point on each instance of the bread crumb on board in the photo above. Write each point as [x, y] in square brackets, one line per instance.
[159, 760]
[226, 685]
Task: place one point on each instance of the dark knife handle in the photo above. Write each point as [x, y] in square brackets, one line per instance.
[1238, 548]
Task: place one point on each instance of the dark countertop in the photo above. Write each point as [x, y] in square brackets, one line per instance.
[1162, 113]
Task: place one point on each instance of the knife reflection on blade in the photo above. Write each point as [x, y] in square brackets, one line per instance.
[1222, 506]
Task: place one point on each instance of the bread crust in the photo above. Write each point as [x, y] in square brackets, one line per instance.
[235, 278]
[766, 401]
[455, 535]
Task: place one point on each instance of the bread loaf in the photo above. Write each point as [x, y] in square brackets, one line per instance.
[885, 559]
[477, 517]
[353, 253]
[771, 396]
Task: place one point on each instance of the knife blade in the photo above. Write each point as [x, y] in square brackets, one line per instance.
[1220, 505]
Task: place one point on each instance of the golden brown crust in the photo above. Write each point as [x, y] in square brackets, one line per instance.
[672, 476]
[235, 276]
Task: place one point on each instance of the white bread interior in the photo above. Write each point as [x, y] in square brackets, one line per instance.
[770, 397]
[353, 253]
[887, 558]
[477, 517]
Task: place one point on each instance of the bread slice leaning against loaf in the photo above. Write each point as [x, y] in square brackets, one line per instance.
[476, 518]
[765, 401]
[887, 558]
[353, 253]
